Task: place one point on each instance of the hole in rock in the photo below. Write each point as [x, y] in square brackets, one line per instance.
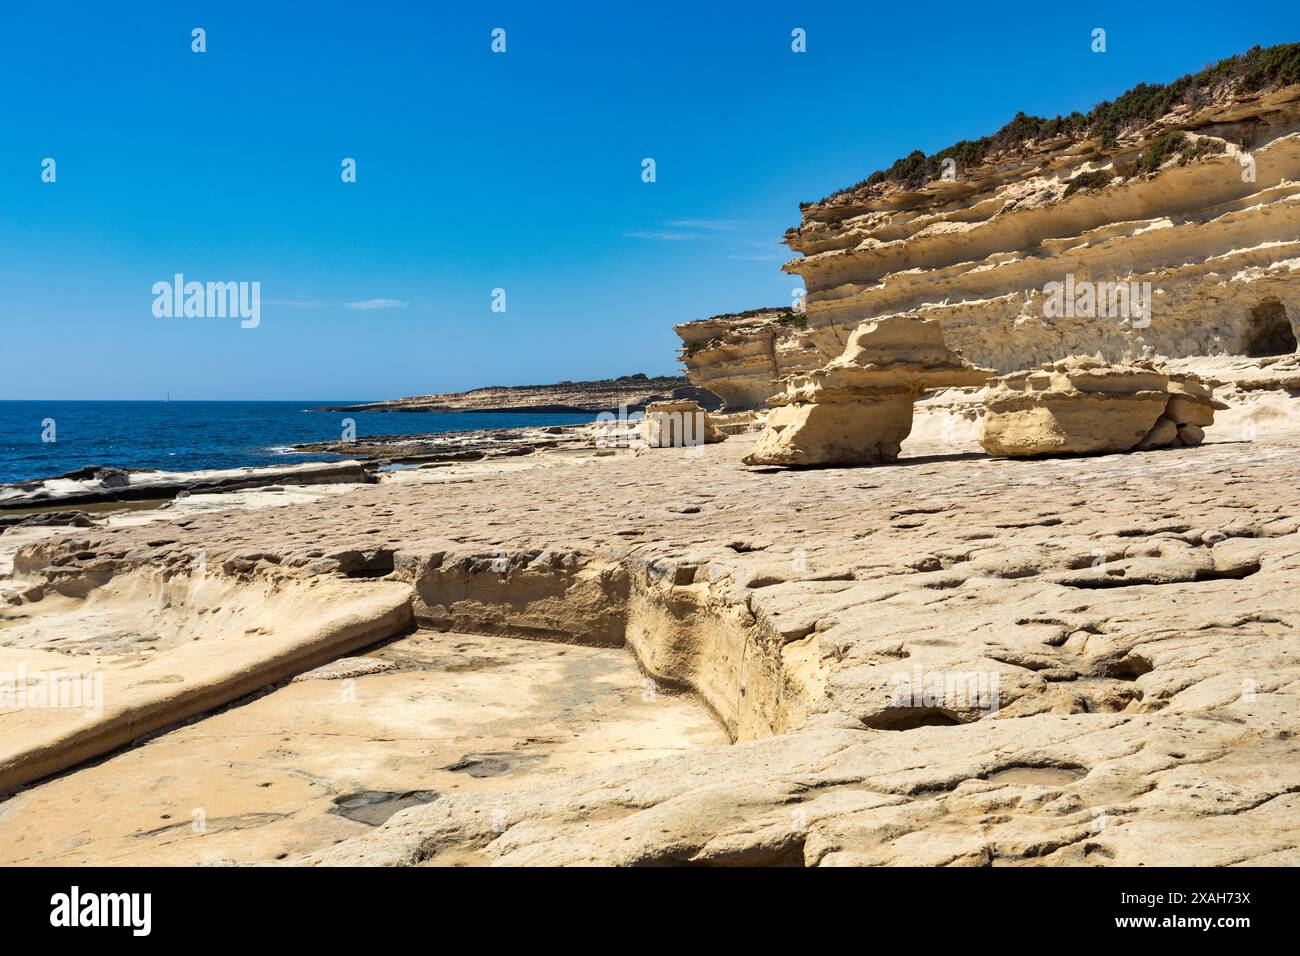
[373, 807]
[1268, 331]
[1130, 668]
[910, 718]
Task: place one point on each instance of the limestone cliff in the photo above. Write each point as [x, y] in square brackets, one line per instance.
[1203, 202]
[1166, 223]
[741, 356]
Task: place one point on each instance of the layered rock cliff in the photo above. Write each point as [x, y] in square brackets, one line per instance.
[1040, 241]
[740, 356]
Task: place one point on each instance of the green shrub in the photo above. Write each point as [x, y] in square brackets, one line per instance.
[1161, 148]
[1091, 180]
[1194, 151]
[1257, 69]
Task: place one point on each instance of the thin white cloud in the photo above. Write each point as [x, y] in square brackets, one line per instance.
[711, 225]
[658, 236]
[686, 230]
[369, 305]
[363, 305]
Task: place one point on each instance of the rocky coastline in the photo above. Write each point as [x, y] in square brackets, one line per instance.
[929, 572]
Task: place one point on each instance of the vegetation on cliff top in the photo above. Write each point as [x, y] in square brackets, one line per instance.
[1257, 69]
[782, 317]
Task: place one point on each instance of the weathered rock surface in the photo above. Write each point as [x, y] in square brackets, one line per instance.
[79, 519]
[1213, 229]
[342, 748]
[1125, 621]
[1202, 202]
[952, 660]
[858, 409]
[678, 424]
[438, 448]
[93, 485]
[1084, 405]
[742, 357]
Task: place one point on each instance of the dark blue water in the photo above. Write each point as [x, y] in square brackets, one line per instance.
[184, 436]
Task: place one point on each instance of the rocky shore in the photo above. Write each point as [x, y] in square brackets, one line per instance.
[102, 486]
[601, 395]
[985, 586]
[1107, 635]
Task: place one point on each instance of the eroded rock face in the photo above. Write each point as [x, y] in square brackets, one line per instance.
[741, 357]
[1213, 230]
[678, 424]
[1084, 405]
[858, 409]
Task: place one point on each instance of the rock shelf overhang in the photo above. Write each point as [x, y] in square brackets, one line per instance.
[1213, 230]
[858, 408]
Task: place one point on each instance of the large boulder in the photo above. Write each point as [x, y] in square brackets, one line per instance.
[679, 423]
[858, 408]
[1085, 405]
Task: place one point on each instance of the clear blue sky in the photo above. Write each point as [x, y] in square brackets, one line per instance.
[477, 171]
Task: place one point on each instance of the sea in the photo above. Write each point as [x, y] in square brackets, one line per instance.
[40, 439]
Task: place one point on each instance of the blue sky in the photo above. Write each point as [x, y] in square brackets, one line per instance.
[478, 171]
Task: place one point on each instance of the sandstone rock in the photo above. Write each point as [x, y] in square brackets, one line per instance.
[678, 424]
[1191, 401]
[738, 423]
[858, 409]
[741, 357]
[1135, 611]
[1084, 405]
[1079, 405]
[345, 667]
[978, 253]
[1191, 434]
[840, 433]
[1163, 434]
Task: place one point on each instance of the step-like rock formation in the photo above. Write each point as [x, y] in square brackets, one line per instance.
[858, 409]
[1177, 203]
[1166, 223]
[741, 357]
[1083, 405]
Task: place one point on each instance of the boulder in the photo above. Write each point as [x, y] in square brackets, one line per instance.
[857, 409]
[1163, 433]
[679, 423]
[1085, 405]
